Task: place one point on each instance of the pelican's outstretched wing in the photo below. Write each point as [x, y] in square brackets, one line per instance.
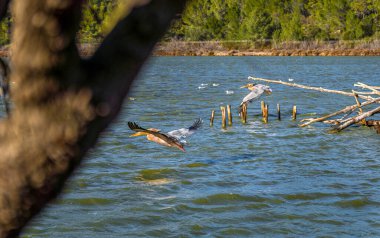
[185, 132]
[133, 126]
[254, 94]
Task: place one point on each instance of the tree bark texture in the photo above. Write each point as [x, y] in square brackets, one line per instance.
[61, 103]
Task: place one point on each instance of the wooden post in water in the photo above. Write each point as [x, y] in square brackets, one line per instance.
[265, 118]
[294, 113]
[262, 107]
[245, 109]
[229, 115]
[223, 109]
[212, 118]
[243, 113]
[278, 112]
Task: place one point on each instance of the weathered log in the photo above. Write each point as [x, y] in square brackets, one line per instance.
[359, 106]
[357, 119]
[374, 89]
[320, 89]
[344, 110]
[375, 124]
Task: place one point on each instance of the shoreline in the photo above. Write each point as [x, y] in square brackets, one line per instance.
[249, 48]
[295, 52]
[268, 48]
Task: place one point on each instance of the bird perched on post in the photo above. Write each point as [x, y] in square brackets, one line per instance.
[256, 91]
[173, 138]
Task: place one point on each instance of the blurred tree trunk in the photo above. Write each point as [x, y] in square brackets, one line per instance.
[61, 103]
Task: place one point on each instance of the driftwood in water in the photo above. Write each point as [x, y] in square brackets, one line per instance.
[344, 110]
[374, 89]
[357, 119]
[320, 89]
[341, 124]
[375, 124]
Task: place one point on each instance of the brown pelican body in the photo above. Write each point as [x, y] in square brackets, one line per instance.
[256, 91]
[170, 139]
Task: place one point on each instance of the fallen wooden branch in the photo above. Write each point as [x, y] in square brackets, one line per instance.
[343, 122]
[344, 110]
[320, 89]
[375, 124]
[365, 86]
[357, 119]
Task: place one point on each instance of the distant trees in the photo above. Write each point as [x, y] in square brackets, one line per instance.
[279, 20]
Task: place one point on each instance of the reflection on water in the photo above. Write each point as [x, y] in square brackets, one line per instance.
[257, 179]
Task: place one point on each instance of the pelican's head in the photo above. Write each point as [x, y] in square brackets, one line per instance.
[178, 145]
[250, 86]
[266, 89]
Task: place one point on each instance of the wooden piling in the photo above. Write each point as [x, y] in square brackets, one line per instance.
[229, 115]
[245, 109]
[262, 107]
[223, 109]
[212, 118]
[265, 118]
[294, 113]
[243, 113]
[278, 112]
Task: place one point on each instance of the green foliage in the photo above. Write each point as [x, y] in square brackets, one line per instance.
[95, 14]
[4, 31]
[279, 20]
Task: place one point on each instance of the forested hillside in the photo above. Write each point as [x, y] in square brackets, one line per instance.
[282, 20]
[279, 20]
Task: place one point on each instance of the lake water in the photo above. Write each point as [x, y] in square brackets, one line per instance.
[252, 180]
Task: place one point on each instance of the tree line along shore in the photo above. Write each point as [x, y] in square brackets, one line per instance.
[245, 27]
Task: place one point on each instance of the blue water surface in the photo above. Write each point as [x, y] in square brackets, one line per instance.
[252, 180]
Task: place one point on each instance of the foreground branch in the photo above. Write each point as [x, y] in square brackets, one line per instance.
[62, 103]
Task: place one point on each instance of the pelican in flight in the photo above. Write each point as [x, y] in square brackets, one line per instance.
[171, 139]
[256, 91]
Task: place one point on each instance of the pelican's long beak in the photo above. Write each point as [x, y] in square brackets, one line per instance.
[181, 148]
[140, 133]
[245, 86]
